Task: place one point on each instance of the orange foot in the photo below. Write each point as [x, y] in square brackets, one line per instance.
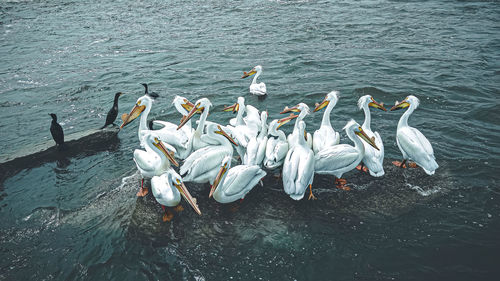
[410, 164]
[179, 208]
[168, 216]
[142, 192]
[362, 168]
[343, 186]
[311, 195]
[340, 181]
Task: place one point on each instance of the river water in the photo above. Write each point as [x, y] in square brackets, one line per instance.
[78, 218]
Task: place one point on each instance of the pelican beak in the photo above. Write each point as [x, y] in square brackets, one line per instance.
[168, 153]
[187, 196]
[233, 108]
[250, 73]
[221, 132]
[375, 104]
[285, 120]
[134, 113]
[321, 105]
[187, 105]
[194, 110]
[221, 173]
[399, 105]
[362, 135]
[288, 109]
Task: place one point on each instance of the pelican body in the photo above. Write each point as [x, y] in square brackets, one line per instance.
[411, 142]
[276, 148]
[169, 187]
[373, 158]
[203, 164]
[258, 89]
[339, 159]
[234, 183]
[298, 168]
[326, 136]
[256, 148]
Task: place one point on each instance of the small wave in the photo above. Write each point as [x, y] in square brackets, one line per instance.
[423, 192]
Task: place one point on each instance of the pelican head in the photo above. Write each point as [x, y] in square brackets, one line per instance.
[353, 126]
[235, 107]
[182, 103]
[256, 69]
[199, 106]
[153, 139]
[409, 100]
[141, 104]
[332, 97]
[301, 107]
[177, 181]
[224, 167]
[368, 100]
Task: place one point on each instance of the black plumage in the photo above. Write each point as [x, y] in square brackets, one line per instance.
[56, 130]
[152, 94]
[113, 112]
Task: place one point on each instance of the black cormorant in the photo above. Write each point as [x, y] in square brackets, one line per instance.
[56, 131]
[113, 112]
[152, 94]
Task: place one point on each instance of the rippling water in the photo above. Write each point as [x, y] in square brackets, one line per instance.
[78, 218]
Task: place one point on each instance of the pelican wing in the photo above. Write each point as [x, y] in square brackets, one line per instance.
[290, 170]
[305, 172]
[324, 137]
[240, 180]
[163, 191]
[203, 161]
[146, 161]
[418, 148]
[261, 151]
[335, 157]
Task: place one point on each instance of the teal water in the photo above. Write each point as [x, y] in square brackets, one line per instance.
[79, 219]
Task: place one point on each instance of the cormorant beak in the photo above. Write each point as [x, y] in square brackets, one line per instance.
[221, 173]
[233, 108]
[285, 120]
[321, 105]
[375, 104]
[362, 135]
[399, 105]
[187, 196]
[168, 153]
[221, 132]
[134, 113]
[288, 109]
[194, 110]
[250, 73]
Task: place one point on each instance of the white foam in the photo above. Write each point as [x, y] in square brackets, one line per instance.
[424, 192]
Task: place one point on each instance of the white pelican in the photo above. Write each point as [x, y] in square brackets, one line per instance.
[256, 89]
[202, 165]
[276, 148]
[256, 148]
[339, 159]
[412, 143]
[298, 169]
[304, 111]
[202, 105]
[167, 190]
[326, 136]
[244, 128]
[168, 134]
[234, 183]
[155, 160]
[374, 158]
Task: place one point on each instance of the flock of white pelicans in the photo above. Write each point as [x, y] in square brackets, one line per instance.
[207, 151]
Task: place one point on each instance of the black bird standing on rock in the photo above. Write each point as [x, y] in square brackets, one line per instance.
[56, 131]
[113, 112]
